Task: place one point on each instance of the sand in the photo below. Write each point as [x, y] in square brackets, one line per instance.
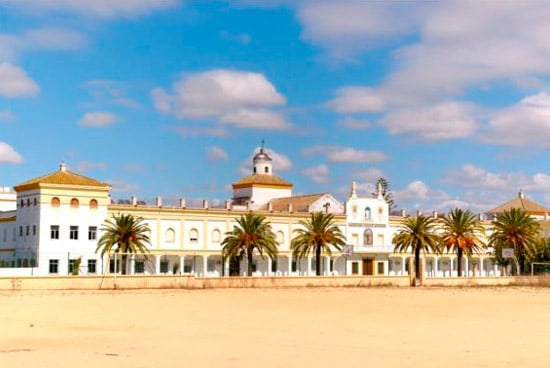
[354, 327]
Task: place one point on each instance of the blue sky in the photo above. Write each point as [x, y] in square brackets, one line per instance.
[450, 101]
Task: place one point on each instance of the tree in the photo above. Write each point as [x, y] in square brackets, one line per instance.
[251, 233]
[514, 228]
[461, 232]
[540, 252]
[124, 234]
[417, 235]
[317, 234]
[383, 186]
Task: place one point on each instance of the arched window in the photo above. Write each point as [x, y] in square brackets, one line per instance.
[367, 237]
[56, 202]
[34, 201]
[216, 236]
[28, 202]
[74, 203]
[93, 204]
[266, 169]
[22, 203]
[367, 213]
[280, 237]
[170, 235]
[193, 236]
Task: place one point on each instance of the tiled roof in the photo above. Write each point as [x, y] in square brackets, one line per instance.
[299, 203]
[262, 179]
[528, 205]
[61, 177]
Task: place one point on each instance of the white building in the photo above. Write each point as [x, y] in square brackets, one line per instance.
[52, 221]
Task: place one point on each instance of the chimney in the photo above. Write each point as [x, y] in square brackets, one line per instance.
[133, 200]
[228, 205]
[290, 209]
[158, 201]
[182, 203]
[434, 214]
[270, 207]
[205, 204]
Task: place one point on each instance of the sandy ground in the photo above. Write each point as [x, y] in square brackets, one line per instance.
[367, 327]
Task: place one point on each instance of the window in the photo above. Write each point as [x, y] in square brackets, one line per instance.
[92, 266]
[367, 237]
[112, 266]
[355, 268]
[163, 266]
[55, 202]
[92, 232]
[34, 201]
[294, 266]
[266, 169]
[54, 265]
[367, 213]
[216, 236]
[380, 268]
[193, 236]
[274, 265]
[28, 202]
[170, 235]
[139, 267]
[20, 230]
[73, 232]
[54, 232]
[93, 204]
[74, 203]
[22, 202]
[27, 230]
[280, 237]
[33, 229]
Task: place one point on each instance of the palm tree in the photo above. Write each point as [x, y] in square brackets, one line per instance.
[124, 234]
[514, 228]
[317, 234]
[252, 232]
[417, 235]
[461, 232]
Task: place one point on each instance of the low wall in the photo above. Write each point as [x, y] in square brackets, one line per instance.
[189, 282]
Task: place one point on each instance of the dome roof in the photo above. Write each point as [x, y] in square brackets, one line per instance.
[261, 156]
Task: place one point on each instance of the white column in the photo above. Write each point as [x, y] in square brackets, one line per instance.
[403, 260]
[289, 265]
[308, 265]
[481, 266]
[436, 266]
[467, 266]
[327, 266]
[182, 263]
[204, 264]
[452, 264]
[157, 265]
[269, 264]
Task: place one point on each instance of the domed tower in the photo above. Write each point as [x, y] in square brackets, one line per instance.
[263, 164]
[262, 186]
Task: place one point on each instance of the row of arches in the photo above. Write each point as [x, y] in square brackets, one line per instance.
[216, 236]
[74, 202]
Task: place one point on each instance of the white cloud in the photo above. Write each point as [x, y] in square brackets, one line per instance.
[98, 119]
[85, 166]
[9, 155]
[346, 28]
[318, 174]
[14, 82]
[238, 98]
[526, 123]
[355, 99]
[369, 175]
[471, 176]
[354, 124]
[121, 186]
[37, 39]
[111, 92]
[216, 154]
[446, 120]
[200, 131]
[418, 194]
[6, 115]
[105, 9]
[345, 154]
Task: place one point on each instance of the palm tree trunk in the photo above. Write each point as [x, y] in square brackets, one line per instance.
[318, 261]
[459, 260]
[123, 261]
[417, 264]
[249, 261]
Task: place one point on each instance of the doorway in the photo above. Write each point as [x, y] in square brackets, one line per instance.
[368, 267]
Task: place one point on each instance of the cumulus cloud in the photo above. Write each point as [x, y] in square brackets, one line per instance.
[445, 120]
[216, 154]
[318, 174]
[526, 123]
[345, 154]
[14, 82]
[471, 176]
[84, 166]
[6, 115]
[98, 119]
[355, 99]
[9, 155]
[369, 175]
[354, 124]
[104, 9]
[110, 92]
[236, 98]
